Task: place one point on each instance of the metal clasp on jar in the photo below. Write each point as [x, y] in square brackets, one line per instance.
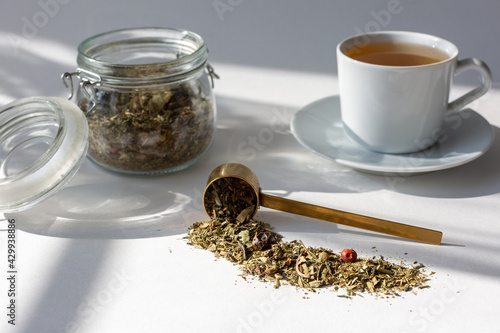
[211, 73]
[88, 81]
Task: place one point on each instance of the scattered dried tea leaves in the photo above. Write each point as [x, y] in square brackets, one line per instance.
[260, 252]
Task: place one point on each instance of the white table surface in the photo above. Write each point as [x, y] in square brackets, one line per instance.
[107, 254]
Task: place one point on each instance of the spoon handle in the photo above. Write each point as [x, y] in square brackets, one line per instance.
[351, 219]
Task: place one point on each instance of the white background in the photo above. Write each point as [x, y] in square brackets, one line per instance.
[82, 269]
[38, 42]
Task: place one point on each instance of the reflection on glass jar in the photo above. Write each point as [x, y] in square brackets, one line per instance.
[148, 99]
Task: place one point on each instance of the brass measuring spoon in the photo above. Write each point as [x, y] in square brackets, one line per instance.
[229, 171]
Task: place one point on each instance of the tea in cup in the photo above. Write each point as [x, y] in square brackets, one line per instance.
[395, 87]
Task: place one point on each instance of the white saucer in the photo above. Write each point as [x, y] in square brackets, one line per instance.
[318, 127]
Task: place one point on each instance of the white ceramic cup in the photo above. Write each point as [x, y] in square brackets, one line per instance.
[400, 109]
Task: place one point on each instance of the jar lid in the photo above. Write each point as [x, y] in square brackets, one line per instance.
[43, 142]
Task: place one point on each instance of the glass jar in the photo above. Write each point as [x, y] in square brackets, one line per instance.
[148, 99]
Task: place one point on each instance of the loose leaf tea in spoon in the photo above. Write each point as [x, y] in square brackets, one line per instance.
[230, 197]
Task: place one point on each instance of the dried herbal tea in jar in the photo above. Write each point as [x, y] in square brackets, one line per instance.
[148, 99]
[150, 131]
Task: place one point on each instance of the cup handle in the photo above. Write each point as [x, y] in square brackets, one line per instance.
[482, 68]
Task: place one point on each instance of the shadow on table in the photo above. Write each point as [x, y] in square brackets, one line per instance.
[100, 204]
[475, 179]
